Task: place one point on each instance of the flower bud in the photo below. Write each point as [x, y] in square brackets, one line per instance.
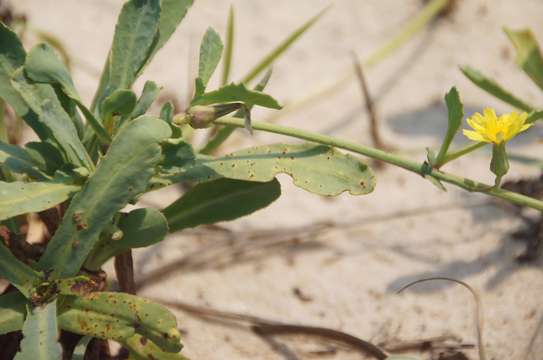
[499, 164]
[202, 116]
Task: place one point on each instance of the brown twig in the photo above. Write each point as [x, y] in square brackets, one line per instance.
[370, 107]
[265, 327]
[436, 342]
[358, 344]
[124, 269]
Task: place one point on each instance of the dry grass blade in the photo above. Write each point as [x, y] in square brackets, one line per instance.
[370, 107]
[479, 321]
[264, 327]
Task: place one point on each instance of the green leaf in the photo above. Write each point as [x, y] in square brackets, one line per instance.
[119, 316]
[45, 156]
[455, 110]
[20, 275]
[42, 65]
[229, 49]
[493, 88]
[237, 93]
[139, 228]
[18, 198]
[171, 14]
[220, 200]
[141, 348]
[270, 58]
[224, 132]
[43, 101]
[134, 40]
[121, 175]
[12, 57]
[316, 168]
[17, 160]
[40, 335]
[529, 56]
[12, 312]
[166, 112]
[120, 102]
[210, 55]
[148, 96]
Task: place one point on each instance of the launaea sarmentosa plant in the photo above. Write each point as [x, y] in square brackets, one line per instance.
[93, 160]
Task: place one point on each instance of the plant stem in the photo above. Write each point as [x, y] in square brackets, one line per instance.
[463, 151]
[393, 159]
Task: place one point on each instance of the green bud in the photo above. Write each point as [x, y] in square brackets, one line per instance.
[117, 235]
[499, 164]
[202, 116]
[82, 172]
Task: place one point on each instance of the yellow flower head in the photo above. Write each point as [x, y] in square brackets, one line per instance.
[495, 130]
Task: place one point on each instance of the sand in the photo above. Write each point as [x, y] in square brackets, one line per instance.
[347, 273]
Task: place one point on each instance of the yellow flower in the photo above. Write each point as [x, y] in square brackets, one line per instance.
[495, 130]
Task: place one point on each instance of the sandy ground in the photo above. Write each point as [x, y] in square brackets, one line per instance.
[347, 273]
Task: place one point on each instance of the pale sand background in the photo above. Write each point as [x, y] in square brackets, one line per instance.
[350, 273]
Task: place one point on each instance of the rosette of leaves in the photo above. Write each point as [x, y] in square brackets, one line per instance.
[91, 161]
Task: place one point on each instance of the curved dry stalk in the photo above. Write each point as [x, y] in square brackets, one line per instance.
[479, 320]
[265, 327]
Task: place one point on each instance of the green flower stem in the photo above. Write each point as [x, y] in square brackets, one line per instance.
[463, 151]
[407, 164]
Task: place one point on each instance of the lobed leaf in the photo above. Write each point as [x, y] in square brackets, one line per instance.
[134, 40]
[455, 110]
[121, 175]
[43, 101]
[210, 55]
[40, 335]
[119, 316]
[237, 93]
[12, 312]
[529, 56]
[316, 168]
[220, 200]
[18, 198]
[493, 88]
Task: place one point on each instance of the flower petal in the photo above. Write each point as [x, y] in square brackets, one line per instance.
[473, 135]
